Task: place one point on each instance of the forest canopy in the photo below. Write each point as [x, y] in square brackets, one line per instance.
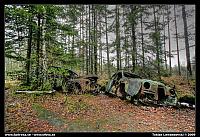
[99, 39]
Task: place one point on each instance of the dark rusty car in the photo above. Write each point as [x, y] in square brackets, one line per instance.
[127, 85]
[70, 82]
[87, 83]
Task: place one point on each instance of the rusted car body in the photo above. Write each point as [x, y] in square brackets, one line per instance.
[130, 86]
[68, 81]
[85, 84]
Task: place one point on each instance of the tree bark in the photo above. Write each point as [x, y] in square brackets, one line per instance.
[164, 43]
[83, 45]
[157, 42]
[86, 51]
[177, 46]
[95, 42]
[44, 59]
[100, 48]
[170, 64]
[186, 41]
[92, 45]
[38, 50]
[142, 39]
[117, 41]
[89, 60]
[28, 64]
[133, 8]
[107, 46]
[125, 39]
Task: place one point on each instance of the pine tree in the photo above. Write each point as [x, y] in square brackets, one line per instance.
[186, 41]
[178, 61]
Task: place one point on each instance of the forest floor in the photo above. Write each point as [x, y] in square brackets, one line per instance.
[46, 113]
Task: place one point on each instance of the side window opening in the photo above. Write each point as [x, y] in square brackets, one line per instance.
[161, 93]
[146, 85]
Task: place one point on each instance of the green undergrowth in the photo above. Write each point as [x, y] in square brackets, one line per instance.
[11, 84]
[188, 99]
[44, 87]
[184, 95]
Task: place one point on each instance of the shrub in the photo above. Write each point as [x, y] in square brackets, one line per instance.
[7, 86]
[24, 88]
[187, 99]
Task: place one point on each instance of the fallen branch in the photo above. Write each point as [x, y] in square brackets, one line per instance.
[40, 92]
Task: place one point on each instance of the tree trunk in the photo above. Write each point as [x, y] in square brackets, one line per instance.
[133, 8]
[28, 63]
[86, 51]
[92, 45]
[83, 45]
[157, 42]
[100, 48]
[186, 41]
[125, 39]
[142, 39]
[117, 41]
[38, 50]
[107, 46]
[164, 42]
[80, 43]
[170, 64]
[44, 59]
[95, 42]
[89, 61]
[72, 46]
[179, 69]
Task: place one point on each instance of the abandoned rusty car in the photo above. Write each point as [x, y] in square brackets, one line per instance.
[69, 81]
[127, 85]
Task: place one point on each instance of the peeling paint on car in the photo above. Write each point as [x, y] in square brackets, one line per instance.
[145, 90]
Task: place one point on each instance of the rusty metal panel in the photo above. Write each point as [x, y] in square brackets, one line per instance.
[109, 85]
[133, 86]
[84, 83]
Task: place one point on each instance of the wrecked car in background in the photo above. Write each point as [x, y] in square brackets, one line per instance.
[127, 85]
[84, 84]
[69, 81]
